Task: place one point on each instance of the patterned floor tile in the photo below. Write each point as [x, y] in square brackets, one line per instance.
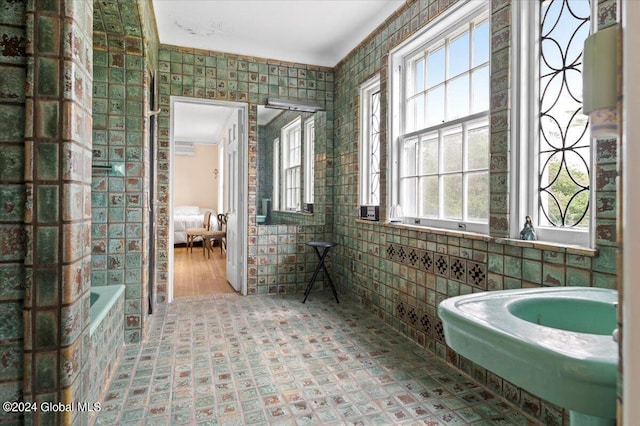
[270, 360]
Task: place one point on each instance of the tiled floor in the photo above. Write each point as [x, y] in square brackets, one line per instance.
[232, 360]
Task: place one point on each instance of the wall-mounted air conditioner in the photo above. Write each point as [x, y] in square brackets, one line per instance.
[185, 149]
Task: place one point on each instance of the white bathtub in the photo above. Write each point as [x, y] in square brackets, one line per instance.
[102, 300]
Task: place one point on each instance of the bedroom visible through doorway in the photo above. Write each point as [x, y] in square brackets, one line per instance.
[205, 136]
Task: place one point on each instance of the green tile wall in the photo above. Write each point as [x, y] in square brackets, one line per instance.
[54, 208]
[402, 273]
[278, 260]
[120, 229]
[13, 68]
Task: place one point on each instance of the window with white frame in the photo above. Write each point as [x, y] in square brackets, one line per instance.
[276, 175]
[292, 165]
[555, 162]
[439, 156]
[309, 157]
[370, 142]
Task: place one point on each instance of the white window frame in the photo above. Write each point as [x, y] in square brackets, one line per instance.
[309, 159]
[367, 90]
[525, 133]
[276, 174]
[291, 170]
[461, 12]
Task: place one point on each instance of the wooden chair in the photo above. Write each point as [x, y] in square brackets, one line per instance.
[192, 233]
[220, 235]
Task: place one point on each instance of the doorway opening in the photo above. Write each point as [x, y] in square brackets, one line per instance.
[208, 141]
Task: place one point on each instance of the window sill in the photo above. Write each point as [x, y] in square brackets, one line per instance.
[540, 245]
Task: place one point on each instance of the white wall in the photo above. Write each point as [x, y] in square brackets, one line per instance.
[195, 182]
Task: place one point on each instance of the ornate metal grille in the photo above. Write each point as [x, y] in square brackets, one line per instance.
[374, 147]
[564, 152]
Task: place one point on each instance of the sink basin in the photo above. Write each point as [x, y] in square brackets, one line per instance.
[553, 342]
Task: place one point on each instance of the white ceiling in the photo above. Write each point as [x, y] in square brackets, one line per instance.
[199, 123]
[312, 32]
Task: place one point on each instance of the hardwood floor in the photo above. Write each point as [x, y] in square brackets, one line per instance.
[197, 275]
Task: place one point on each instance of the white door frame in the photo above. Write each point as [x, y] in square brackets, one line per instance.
[243, 184]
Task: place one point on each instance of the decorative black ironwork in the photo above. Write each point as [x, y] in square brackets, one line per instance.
[374, 147]
[564, 171]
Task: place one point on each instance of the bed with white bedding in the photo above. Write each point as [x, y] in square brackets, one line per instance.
[185, 217]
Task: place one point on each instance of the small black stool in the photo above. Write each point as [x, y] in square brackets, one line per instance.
[326, 245]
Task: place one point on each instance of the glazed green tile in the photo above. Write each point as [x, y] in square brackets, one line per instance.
[116, 137]
[553, 275]
[116, 76]
[70, 323]
[48, 42]
[579, 261]
[100, 59]
[606, 260]
[48, 77]
[11, 367]
[12, 123]
[46, 325]
[12, 85]
[48, 122]
[531, 253]
[133, 123]
[46, 287]
[605, 280]
[135, 108]
[12, 202]
[47, 245]
[116, 122]
[495, 263]
[117, 276]
[11, 322]
[47, 161]
[134, 260]
[578, 277]
[48, 203]
[115, 214]
[532, 271]
[553, 257]
[100, 90]
[116, 91]
[45, 370]
[13, 47]
[48, 6]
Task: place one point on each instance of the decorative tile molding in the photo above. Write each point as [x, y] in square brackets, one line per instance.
[455, 268]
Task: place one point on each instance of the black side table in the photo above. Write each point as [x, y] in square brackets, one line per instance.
[326, 245]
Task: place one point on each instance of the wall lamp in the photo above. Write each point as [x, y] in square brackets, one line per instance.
[600, 81]
[292, 105]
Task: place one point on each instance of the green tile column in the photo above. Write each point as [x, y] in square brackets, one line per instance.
[57, 217]
[13, 73]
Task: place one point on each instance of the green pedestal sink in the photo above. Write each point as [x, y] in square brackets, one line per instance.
[553, 342]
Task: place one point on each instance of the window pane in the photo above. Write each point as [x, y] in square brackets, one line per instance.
[429, 196]
[415, 113]
[452, 152]
[478, 148]
[452, 196]
[408, 159]
[435, 70]
[459, 55]
[458, 97]
[418, 77]
[435, 106]
[478, 196]
[419, 112]
[429, 155]
[480, 90]
[408, 200]
[481, 44]
[564, 140]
